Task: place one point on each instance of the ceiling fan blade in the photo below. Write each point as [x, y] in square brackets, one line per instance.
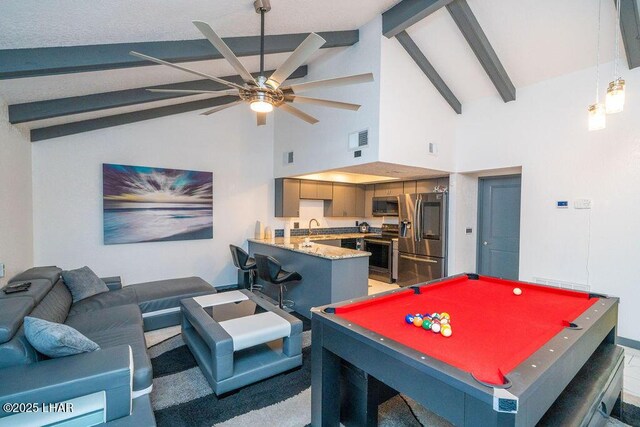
[262, 119]
[340, 81]
[307, 48]
[224, 50]
[298, 113]
[323, 102]
[188, 70]
[221, 107]
[196, 92]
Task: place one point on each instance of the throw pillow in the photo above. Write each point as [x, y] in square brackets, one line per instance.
[55, 339]
[83, 283]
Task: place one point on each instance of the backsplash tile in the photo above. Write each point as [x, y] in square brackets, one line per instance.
[296, 232]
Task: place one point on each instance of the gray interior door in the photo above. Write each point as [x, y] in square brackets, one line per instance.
[499, 226]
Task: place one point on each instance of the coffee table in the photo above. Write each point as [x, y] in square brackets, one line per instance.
[238, 338]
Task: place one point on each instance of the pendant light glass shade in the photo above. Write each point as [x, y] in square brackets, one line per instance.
[597, 117]
[615, 97]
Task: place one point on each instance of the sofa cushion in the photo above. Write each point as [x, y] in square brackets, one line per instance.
[106, 318]
[134, 337]
[55, 306]
[83, 283]
[116, 298]
[55, 339]
[163, 294]
[50, 273]
[12, 311]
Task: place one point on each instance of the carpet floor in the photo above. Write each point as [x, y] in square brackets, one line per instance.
[182, 396]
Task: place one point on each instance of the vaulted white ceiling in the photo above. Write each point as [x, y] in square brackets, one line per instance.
[37, 23]
[534, 39]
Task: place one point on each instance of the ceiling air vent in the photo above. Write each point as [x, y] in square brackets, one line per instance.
[358, 140]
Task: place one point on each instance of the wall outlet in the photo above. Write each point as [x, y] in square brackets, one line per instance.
[1, 270]
[296, 225]
[468, 230]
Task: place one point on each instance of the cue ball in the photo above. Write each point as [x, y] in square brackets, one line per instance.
[517, 291]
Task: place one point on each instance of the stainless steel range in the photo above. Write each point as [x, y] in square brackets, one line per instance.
[381, 246]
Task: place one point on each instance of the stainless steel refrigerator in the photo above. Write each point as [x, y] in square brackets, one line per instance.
[422, 238]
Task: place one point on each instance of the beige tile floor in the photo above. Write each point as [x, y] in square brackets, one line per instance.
[632, 356]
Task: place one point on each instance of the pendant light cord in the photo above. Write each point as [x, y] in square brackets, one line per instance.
[617, 29]
[262, 42]
[598, 55]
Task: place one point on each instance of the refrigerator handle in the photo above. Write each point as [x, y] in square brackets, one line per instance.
[417, 220]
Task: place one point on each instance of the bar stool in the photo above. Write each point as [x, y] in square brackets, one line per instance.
[270, 270]
[244, 262]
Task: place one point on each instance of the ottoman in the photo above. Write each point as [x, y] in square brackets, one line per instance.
[238, 338]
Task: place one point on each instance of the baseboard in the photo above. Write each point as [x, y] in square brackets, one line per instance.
[628, 342]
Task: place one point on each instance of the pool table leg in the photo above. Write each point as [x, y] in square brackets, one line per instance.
[325, 382]
[361, 396]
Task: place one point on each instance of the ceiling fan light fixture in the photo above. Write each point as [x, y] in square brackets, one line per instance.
[262, 106]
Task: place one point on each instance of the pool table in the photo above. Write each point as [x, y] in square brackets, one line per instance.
[509, 357]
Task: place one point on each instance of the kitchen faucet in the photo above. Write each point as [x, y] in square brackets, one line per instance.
[310, 221]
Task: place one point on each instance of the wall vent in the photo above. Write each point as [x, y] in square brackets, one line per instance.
[288, 157]
[357, 153]
[359, 140]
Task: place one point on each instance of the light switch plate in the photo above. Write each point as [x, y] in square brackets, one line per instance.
[582, 204]
[1, 270]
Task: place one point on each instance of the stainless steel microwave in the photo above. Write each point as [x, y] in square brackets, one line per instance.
[385, 206]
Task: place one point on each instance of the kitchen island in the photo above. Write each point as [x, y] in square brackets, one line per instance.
[329, 273]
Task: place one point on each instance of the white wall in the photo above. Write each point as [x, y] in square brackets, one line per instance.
[67, 185]
[323, 146]
[545, 131]
[16, 213]
[412, 113]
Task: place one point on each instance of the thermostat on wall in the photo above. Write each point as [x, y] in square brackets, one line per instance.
[562, 204]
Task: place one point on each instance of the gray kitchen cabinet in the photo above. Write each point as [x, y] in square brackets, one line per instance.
[360, 201]
[316, 190]
[389, 189]
[444, 182]
[287, 198]
[426, 185]
[348, 201]
[368, 201]
[409, 187]
[328, 242]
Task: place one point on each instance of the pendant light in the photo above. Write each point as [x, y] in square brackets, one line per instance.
[615, 92]
[597, 111]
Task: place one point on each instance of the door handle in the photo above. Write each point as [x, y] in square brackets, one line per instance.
[412, 258]
[485, 243]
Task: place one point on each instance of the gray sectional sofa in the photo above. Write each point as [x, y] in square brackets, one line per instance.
[109, 385]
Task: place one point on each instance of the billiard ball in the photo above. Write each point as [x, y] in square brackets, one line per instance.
[517, 291]
[445, 315]
[418, 315]
[435, 327]
[444, 321]
[446, 331]
[409, 319]
[426, 324]
[435, 316]
[417, 321]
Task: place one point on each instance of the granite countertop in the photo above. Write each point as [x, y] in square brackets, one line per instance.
[295, 244]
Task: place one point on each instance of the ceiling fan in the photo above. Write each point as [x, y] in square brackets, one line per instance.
[264, 93]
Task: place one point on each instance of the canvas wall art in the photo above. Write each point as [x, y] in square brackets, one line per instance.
[145, 204]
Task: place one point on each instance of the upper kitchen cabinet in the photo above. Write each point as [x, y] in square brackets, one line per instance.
[409, 187]
[348, 201]
[389, 189]
[426, 185]
[316, 190]
[287, 198]
[368, 200]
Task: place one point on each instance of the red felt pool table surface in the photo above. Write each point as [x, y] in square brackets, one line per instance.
[494, 330]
